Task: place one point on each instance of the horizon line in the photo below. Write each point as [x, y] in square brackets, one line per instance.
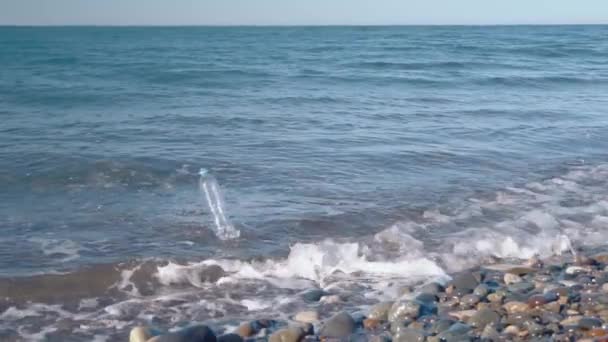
[302, 25]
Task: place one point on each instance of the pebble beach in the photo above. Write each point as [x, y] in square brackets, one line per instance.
[561, 298]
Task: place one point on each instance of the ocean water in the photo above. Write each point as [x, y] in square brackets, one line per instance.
[355, 159]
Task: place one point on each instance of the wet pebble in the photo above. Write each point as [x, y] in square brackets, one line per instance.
[380, 311]
[485, 317]
[340, 325]
[197, 333]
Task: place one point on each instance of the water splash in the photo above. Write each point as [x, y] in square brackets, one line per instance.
[209, 186]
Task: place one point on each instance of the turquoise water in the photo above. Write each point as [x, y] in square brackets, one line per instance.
[312, 133]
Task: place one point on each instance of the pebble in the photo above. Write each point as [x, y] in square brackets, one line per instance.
[140, 334]
[340, 325]
[536, 301]
[432, 288]
[588, 323]
[597, 332]
[457, 332]
[291, 334]
[463, 315]
[481, 290]
[484, 317]
[230, 338]
[440, 325]
[211, 273]
[522, 287]
[515, 307]
[511, 278]
[512, 330]
[409, 335]
[331, 299]
[464, 283]
[313, 295]
[380, 311]
[197, 333]
[496, 297]
[311, 316]
[404, 309]
[245, 330]
[470, 300]
[571, 320]
[576, 270]
[490, 333]
[371, 323]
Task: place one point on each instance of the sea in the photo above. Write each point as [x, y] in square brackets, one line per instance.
[168, 176]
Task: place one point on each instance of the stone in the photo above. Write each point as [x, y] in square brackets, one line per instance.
[481, 290]
[197, 333]
[534, 262]
[457, 332]
[571, 320]
[511, 330]
[496, 297]
[605, 287]
[331, 299]
[511, 278]
[245, 330]
[291, 334]
[522, 287]
[140, 334]
[597, 332]
[230, 338]
[379, 338]
[533, 328]
[554, 307]
[485, 317]
[521, 270]
[576, 269]
[371, 323]
[211, 273]
[409, 335]
[588, 323]
[338, 326]
[313, 295]
[515, 307]
[463, 315]
[432, 288]
[249, 329]
[490, 333]
[601, 258]
[469, 301]
[380, 311]
[440, 325]
[536, 301]
[427, 298]
[464, 283]
[404, 309]
[311, 316]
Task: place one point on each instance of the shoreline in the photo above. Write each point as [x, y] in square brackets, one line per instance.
[561, 298]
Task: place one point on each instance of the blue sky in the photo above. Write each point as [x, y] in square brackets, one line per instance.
[299, 12]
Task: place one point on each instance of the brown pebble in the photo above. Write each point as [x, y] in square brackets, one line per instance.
[370, 323]
[245, 330]
[515, 307]
[597, 332]
[450, 289]
[536, 301]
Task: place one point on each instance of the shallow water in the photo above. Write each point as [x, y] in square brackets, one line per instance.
[351, 158]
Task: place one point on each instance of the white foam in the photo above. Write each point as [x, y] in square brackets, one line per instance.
[255, 304]
[68, 250]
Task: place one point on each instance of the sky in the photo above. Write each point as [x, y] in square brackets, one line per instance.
[302, 12]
